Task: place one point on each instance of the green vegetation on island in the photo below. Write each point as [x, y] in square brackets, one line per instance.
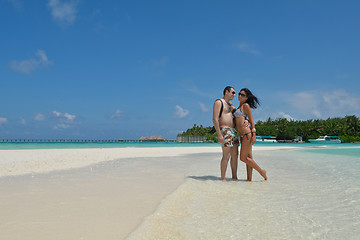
[347, 128]
[200, 131]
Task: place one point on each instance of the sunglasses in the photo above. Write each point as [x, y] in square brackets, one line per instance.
[233, 92]
[241, 94]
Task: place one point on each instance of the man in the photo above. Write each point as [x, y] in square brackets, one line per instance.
[227, 134]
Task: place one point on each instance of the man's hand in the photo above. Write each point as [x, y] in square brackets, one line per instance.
[221, 139]
[246, 124]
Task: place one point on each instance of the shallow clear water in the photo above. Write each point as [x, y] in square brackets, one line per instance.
[74, 145]
[311, 194]
[354, 152]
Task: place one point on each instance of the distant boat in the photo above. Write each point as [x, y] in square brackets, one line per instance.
[326, 139]
[266, 139]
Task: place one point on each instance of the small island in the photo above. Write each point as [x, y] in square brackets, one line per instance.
[347, 129]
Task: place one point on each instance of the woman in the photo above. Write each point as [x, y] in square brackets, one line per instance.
[248, 137]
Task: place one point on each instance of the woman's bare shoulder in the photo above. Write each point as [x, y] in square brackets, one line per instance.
[246, 106]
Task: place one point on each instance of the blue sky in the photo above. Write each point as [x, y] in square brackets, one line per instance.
[125, 69]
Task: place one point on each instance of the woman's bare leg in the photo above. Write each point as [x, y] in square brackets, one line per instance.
[249, 169]
[244, 156]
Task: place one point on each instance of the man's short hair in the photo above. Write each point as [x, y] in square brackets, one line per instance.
[228, 88]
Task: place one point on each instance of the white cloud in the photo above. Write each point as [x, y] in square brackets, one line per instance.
[39, 117]
[246, 48]
[204, 108]
[64, 121]
[59, 120]
[3, 120]
[287, 116]
[162, 62]
[180, 112]
[118, 113]
[65, 116]
[69, 116]
[29, 65]
[56, 114]
[323, 104]
[316, 113]
[61, 126]
[63, 12]
[23, 121]
[43, 57]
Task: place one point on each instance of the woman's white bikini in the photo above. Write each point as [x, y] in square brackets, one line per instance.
[239, 113]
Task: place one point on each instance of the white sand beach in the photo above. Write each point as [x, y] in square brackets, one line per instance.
[104, 193]
[78, 193]
[20, 162]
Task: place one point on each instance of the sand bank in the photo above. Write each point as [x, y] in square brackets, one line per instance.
[98, 194]
[20, 162]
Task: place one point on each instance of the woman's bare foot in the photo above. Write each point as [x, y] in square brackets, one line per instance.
[224, 180]
[264, 174]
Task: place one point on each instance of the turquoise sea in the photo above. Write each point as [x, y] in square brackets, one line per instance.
[102, 144]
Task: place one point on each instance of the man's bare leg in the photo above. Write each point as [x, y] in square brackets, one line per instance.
[234, 153]
[224, 162]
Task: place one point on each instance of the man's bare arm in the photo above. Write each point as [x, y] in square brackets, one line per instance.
[216, 112]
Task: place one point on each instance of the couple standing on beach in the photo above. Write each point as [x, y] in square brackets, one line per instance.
[231, 123]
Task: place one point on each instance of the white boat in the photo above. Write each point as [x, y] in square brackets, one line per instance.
[266, 139]
[326, 139]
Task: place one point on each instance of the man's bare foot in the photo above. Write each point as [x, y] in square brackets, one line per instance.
[235, 179]
[224, 180]
[264, 174]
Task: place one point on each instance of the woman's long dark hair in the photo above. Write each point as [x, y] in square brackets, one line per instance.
[252, 100]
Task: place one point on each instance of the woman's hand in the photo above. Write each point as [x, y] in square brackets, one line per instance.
[253, 138]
